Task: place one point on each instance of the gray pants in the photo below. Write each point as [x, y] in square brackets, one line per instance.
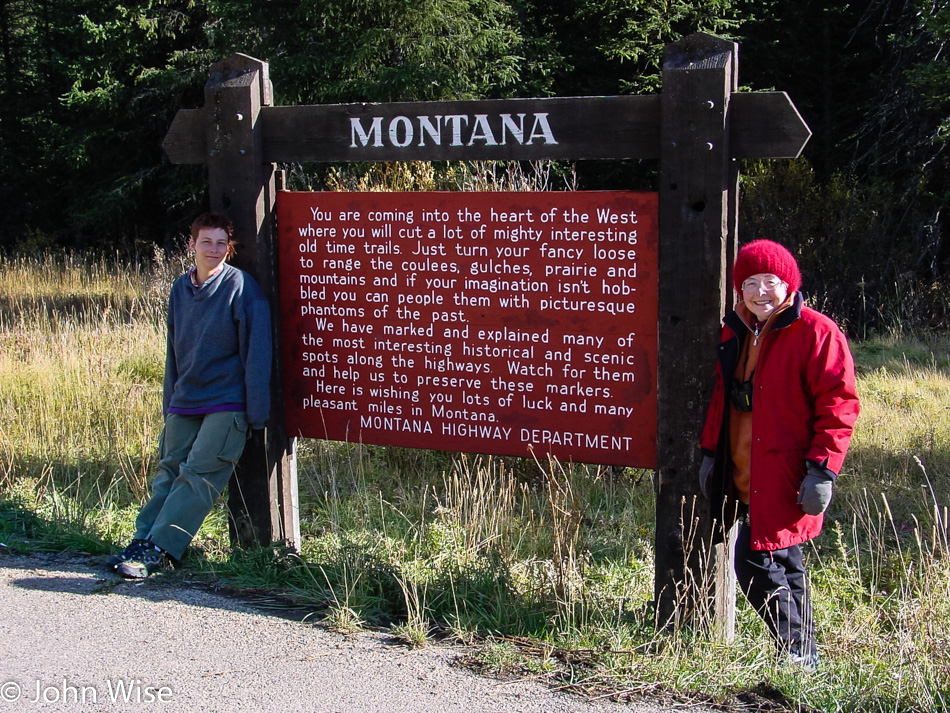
[197, 457]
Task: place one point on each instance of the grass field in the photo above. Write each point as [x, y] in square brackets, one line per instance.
[545, 570]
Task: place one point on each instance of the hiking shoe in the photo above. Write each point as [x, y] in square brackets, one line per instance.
[793, 658]
[131, 550]
[148, 559]
[807, 663]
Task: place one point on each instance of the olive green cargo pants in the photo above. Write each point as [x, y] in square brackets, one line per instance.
[197, 457]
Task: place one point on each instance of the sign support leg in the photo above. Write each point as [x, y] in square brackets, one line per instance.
[263, 492]
[697, 236]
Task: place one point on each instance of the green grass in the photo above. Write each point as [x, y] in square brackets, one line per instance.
[546, 570]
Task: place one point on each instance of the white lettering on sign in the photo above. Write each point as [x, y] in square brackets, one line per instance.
[452, 130]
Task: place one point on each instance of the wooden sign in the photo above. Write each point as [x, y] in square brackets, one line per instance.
[764, 124]
[505, 323]
[696, 129]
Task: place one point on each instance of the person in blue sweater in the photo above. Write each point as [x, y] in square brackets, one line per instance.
[216, 388]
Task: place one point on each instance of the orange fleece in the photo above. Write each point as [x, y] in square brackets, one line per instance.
[740, 422]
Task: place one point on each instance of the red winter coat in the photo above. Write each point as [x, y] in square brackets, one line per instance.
[804, 406]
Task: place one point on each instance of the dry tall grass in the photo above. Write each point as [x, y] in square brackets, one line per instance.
[550, 563]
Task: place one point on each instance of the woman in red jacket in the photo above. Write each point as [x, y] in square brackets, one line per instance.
[776, 436]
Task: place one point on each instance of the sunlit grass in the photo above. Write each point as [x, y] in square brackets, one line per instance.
[80, 373]
[550, 567]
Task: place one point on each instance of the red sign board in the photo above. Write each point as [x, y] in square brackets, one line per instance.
[503, 323]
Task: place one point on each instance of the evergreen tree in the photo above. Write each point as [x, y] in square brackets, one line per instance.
[326, 51]
[95, 88]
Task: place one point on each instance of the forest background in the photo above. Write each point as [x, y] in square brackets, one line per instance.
[89, 90]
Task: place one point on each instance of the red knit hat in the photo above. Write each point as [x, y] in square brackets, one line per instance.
[764, 257]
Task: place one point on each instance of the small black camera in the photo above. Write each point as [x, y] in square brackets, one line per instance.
[741, 393]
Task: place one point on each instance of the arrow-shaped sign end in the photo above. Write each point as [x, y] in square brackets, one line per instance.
[185, 140]
[766, 125]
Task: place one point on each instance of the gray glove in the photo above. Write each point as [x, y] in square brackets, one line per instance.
[816, 490]
[705, 470]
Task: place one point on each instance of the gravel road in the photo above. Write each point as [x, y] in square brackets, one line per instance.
[74, 638]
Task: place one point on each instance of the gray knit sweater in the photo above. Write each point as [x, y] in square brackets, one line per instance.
[218, 355]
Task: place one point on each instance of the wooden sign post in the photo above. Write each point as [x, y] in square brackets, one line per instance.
[698, 203]
[697, 128]
[262, 497]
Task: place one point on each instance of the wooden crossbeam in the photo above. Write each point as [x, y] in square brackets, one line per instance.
[763, 125]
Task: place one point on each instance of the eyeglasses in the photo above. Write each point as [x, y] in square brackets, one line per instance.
[769, 283]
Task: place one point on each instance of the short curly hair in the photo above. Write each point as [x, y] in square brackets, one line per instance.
[215, 220]
[212, 220]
